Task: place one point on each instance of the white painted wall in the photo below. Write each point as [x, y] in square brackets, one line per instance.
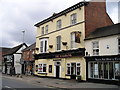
[111, 41]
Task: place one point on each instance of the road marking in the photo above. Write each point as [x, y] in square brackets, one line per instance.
[7, 87]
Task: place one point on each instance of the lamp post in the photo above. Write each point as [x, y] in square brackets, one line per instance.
[23, 35]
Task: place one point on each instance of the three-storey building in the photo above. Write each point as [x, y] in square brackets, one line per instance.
[60, 38]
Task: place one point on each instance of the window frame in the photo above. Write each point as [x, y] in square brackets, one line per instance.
[118, 45]
[73, 19]
[46, 29]
[44, 47]
[59, 24]
[73, 43]
[95, 48]
[42, 31]
[43, 65]
[58, 43]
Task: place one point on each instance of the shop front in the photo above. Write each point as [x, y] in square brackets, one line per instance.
[103, 68]
[64, 64]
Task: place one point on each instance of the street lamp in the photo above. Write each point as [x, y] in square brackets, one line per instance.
[23, 31]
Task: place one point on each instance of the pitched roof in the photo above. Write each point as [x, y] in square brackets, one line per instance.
[30, 47]
[14, 49]
[4, 49]
[104, 31]
[55, 15]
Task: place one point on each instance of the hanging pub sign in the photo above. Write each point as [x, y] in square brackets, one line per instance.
[77, 37]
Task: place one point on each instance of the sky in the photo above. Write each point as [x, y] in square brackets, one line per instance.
[21, 15]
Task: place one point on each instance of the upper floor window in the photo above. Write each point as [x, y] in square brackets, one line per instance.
[73, 18]
[42, 31]
[73, 44]
[119, 45]
[95, 48]
[58, 43]
[59, 24]
[43, 45]
[46, 29]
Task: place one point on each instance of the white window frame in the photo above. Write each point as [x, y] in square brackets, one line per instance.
[46, 29]
[95, 48]
[44, 47]
[73, 43]
[42, 31]
[75, 67]
[73, 18]
[42, 65]
[59, 24]
[58, 43]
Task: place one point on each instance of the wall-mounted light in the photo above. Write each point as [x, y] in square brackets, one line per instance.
[107, 46]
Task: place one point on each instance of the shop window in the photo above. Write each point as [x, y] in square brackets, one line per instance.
[100, 68]
[73, 68]
[42, 68]
[78, 68]
[58, 42]
[59, 24]
[36, 68]
[95, 48]
[105, 70]
[50, 68]
[42, 31]
[73, 19]
[91, 69]
[117, 70]
[96, 70]
[119, 45]
[68, 68]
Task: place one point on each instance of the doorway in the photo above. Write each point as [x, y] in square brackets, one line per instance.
[57, 71]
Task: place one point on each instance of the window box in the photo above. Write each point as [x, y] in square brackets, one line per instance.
[50, 46]
[64, 43]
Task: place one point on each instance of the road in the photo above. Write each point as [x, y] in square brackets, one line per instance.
[10, 84]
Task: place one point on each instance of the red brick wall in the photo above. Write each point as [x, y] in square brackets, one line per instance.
[96, 16]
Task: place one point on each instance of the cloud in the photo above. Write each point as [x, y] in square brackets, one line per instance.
[18, 15]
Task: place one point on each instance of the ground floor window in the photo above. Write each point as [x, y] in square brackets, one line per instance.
[73, 68]
[42, 68]
[104, 70]
[50, 68]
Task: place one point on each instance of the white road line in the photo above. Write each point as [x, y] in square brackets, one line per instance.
[7, 87]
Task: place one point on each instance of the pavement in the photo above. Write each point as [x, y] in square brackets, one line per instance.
[60, 83]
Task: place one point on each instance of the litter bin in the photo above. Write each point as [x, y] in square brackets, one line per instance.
[78, 78]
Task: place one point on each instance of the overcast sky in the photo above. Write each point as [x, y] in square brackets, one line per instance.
[18, 15]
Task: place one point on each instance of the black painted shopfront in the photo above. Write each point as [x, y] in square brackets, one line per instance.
[104, 69]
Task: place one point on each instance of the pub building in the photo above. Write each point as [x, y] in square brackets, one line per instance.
[60, 46]
[103, 54]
